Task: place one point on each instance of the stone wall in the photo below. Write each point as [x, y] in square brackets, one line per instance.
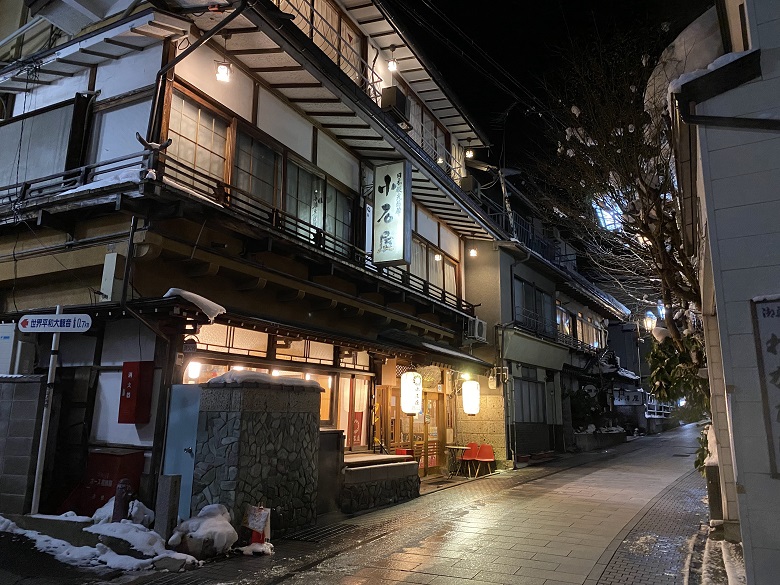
[21, 407]
[378, 485]
[593, 441]
[258, 444]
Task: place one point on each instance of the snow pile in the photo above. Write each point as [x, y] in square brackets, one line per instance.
[101, 555]
[140, 538]
[712, 447]
[67, 517]
[210, 308]
[140, 514]
[241, 376]
[257, 548]
[212, 524]
[612, 430]
[137, 513]
[109, 180]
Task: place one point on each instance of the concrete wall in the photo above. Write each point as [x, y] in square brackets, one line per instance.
[21, 407]
[741, 170]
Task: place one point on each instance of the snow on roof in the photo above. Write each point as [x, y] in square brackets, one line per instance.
[694, 48]
[210, 308]
[108, 180]
[676, 85]
[241, 376]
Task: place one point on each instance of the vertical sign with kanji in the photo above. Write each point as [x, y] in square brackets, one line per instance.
[766, 328]
[391, 222]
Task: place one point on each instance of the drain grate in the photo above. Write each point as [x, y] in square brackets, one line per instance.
[318, 534]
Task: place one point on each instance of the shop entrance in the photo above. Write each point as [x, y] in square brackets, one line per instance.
[427, 427]
[353, 415]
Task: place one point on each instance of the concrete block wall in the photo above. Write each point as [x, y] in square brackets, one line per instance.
[21, 408]
[488, 426]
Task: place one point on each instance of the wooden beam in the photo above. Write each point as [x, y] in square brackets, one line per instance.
[291, 296]
[100, 55]
[256, 283]
[314, 85]
[240, 52]
[276, 69]
[123, 44]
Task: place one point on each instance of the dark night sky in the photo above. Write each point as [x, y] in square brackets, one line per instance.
[528, 40]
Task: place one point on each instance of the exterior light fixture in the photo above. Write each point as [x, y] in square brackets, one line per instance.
[469, 150]
[473, 252]
[437, 257]
[650, 320]
[223, 68]
[193, 370]
[470, 395]
[276, 373]
[411, 392]
[237, 368]
[392, 64]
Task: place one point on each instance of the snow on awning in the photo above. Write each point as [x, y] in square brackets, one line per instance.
[209, 308]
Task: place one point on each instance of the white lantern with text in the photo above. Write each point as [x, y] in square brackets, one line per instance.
[411, 392]
[470, 394]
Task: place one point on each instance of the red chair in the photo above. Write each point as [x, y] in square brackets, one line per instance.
[484, 455]
[469, 456]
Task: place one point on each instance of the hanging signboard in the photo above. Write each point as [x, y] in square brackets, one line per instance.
[55, 323]
[628, 398]
[766, 330]
[391, 223]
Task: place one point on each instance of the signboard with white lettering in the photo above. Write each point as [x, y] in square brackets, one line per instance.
[55, 323]
[391, 223]
[766, 330]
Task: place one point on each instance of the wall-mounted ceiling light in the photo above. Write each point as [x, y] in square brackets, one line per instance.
[392, 64]
[473, 252]
[193, 370]
[469, 150]
[437, 257]
[223, 68]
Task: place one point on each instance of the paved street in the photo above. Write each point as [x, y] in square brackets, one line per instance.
[622, 516]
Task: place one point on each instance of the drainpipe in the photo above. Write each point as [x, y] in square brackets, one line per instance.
[153, 130]
[55, 350]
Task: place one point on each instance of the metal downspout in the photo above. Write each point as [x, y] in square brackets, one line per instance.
[685, 109]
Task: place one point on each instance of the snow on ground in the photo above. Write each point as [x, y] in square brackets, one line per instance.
[212, 523]
[722, 564]
[101, 556]
[260, 548]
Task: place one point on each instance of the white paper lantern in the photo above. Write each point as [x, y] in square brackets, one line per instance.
[470, 393]
[411, 392]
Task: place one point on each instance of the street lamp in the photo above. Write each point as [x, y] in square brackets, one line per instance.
[649, 321]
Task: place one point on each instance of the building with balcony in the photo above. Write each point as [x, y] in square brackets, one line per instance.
[265, 158]
[549, 323]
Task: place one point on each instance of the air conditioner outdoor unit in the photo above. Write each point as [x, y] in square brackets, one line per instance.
[470, 185]
[394, 102]
[476, 330]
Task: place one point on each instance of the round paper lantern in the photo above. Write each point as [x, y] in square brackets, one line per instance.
[411, 392]
[470, 393]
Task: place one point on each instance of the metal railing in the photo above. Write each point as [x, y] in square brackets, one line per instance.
[533, 321]
[101, 174]
[339, 50]
[334, 45]
[300, 231]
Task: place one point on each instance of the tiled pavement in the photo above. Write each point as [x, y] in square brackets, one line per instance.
[621, 516]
